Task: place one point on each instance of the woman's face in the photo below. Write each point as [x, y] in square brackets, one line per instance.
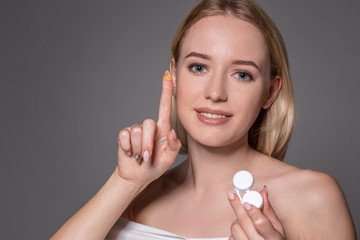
[222, 80]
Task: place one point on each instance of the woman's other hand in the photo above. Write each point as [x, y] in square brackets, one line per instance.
[146, 151]
[253, 223]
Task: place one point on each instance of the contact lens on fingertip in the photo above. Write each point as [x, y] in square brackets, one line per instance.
[253, 198]
[243, 180]
[167, 76]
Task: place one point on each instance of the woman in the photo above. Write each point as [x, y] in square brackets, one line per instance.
[234, 107]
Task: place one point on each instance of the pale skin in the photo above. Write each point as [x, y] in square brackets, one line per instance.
[223, 65]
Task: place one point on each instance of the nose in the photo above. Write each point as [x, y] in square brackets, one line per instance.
[216, 89]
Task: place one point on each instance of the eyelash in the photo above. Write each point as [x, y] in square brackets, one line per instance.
[192, 67]
[248, 76]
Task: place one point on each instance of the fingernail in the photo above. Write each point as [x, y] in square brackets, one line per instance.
[247, 206]
[167, 76]
[231, 195]
[146, 156]
[128, 153]
[266, 190]
[173, 133]
[138, 158]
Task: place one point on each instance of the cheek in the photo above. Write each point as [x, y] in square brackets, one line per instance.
[184, 95]
[187, 87]
[247, 104]
[252, 94]
[185, 98]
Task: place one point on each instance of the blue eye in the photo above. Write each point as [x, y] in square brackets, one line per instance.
[197, 68]
[244, 76]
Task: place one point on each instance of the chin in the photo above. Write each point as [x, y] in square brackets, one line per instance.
[218, 140]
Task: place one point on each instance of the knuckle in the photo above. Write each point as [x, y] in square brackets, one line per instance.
[123, 133]
[259, 221]
[149, 122]
[135, 125]
[235, 227]
[136, 130]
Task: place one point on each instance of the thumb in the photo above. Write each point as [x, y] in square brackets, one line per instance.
[269, 212]
[173, 147]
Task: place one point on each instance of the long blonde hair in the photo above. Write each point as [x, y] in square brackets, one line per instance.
[272, 129]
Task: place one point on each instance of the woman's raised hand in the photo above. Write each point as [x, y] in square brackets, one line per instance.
[146, 151]
[252, 223]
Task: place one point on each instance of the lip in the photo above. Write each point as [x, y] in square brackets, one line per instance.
[213, 111]
[213, 121]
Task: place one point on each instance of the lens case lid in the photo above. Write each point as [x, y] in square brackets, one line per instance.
[253, 198]
[243, 180]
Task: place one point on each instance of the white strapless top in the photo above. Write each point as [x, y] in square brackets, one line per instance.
[129, 230]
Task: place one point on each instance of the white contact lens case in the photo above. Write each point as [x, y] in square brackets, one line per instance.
[243, 182]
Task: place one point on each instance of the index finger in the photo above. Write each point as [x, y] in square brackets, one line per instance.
[165, 102]
[242, 216]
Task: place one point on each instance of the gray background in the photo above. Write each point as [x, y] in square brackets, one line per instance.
[73, 73]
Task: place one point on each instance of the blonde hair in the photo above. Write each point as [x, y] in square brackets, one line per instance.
[272, 129]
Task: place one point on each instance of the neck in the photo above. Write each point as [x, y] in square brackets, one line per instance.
[210, 168]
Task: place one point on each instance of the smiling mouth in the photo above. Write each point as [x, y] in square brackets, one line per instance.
[212, 115]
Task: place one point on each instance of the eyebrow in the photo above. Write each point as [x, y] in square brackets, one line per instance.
[199, 55]
[237, 62]
[243, 62]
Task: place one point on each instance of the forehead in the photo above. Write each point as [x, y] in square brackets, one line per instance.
[226, 36]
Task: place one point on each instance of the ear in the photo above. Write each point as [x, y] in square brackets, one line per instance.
[173, 75]
[274, 90]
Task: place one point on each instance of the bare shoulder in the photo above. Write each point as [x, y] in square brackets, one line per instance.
[312, 190]
[310, 204]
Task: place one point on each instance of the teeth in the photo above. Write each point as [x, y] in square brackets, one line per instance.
[210, 115]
